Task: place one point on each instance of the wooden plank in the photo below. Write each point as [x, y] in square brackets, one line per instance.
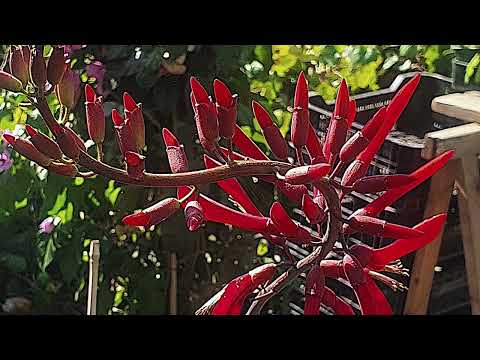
[464, 139]
[463, 106]
[421, 278]
[469, 207]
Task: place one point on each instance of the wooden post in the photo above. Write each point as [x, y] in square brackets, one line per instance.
[93, 277]
[173, 284]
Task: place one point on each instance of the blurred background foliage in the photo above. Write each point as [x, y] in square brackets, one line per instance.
[51, 268]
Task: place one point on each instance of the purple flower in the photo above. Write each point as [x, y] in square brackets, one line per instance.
[97, 70]
[69, 49]
[47, 225]
[5, 161]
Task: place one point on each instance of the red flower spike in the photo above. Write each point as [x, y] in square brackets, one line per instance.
[177, 158]
[377, 227]
[26, 148]
[95, 116]
[233, 188]
[206, 122]
[76, 138]
[312, 211]
[247, 146]
[38, 69]
[352, 112]
[56, 65]
[68, 170]
[355, 171]
[314, 147]
[18, 66]
[219, 213]
[276, 141]
[43, 143]
[10, 82]
[314, 289]
[300, 117]
[402, 98]
[307, 173]
[135, 164]
[292, 192]
[199, 92]
[360, 140]
[338, 127]
[287, 226]
[124, 133]
[377, 183]
[68, 143]
[66, 88]
[194, 215]
[226, 109]
[358, 279]
[262, 116]
[134, 117]
[169, 138]
[154, 214]
[339, 306]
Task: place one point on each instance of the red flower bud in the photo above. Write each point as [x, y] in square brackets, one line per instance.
[135, 164]
[44, 144]
[19, 66]
[56, 65]
[300, 117]
[287, 226]
[292, 192]
[69, 170]
[124, 133]
[10, 82]
[95, 115]
[355, 171]
[205, 115]
[352, 112]
[194, 215]
[314, 289]
[314, 147]
[270, 131]
[307, 173]
[377, 227]
[338, 305]
[247, 146]
[78, 140]
[68, 143]
[226, 109]
[66, 88]
[26, 148]
[360, 140]
[38, 69]
[134, 116]
[402, 98]
[312, 211]
[154, 214]
[374, 184]
[177, 158]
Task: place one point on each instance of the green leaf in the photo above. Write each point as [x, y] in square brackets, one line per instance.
[49, 252]
[262, 248]
[59, 203]
[111, 192]
[473, 63]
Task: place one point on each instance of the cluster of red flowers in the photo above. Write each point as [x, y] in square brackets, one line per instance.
[309, 180]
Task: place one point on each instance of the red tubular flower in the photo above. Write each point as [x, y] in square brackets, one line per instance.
[312, 211]
[177, 158]
[361, 286]
[226, 105]
[135, 164]
[67, 141]
[352, 112]
[300, 117]
[314, 290]
[125, 139]
[307, 173]
[153, 215]
[95, 115]
[219, 213]
[377, 227]
[19, 66]
[270, 131]
[287, 226]
[377, 183]
[314, 147]
[359, 141]
[339, 306]
[333, 269]
[76, 138]
[230, 300]
[56, 65]
[134, 117]
[402, 98]
[69, 170]
[44, 144]
[247, 146]
[205, 115]
[26, 148]
[38, 69]
[233, 188]
[66, 88]
[292, 192]
[194, 215]
[383, 307]
[338, 127]
[10, 82]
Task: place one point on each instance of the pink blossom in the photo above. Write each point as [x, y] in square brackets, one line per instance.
[97, 70]
[47, 225]
[5, 161]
